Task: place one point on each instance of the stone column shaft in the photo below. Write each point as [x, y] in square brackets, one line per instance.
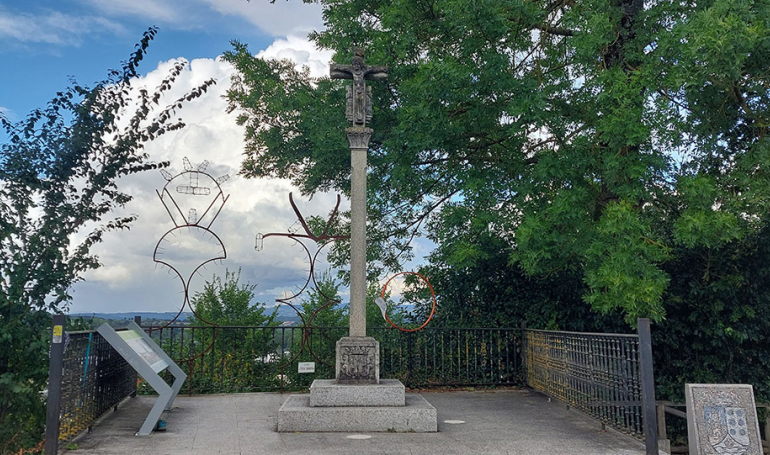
[358, 138]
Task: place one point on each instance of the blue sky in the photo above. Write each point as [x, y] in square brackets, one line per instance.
[44, 42]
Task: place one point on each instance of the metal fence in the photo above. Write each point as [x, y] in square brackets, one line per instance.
[88, 378]
[595, 373]
[251, 359]
[608, 376]
[600, 374]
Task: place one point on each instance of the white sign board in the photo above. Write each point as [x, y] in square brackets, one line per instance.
[307, 367]
[137, 343]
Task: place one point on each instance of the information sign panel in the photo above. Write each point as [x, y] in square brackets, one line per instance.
[137, 343]
[148, 359]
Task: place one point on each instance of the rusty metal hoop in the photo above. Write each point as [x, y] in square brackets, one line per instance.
[433, 294]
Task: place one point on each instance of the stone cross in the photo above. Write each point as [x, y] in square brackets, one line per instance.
[358, 109]
[358, 112]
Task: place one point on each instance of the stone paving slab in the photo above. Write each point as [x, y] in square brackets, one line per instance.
[512, 422]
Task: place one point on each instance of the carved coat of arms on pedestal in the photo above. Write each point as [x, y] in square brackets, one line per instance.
[722, 419]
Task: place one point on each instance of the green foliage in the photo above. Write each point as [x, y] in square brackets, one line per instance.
[549, 125]
[233, 353]
[321, 304]
[614, 153]
[621, 271]
[229, 303]
[718, 318]
[58, 173]
[81, 323]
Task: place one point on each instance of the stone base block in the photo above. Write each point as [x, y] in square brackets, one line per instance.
[418, 416]
[358, 360]
[326, 392]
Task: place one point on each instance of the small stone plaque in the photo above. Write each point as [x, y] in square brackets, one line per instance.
[306, 367]
[722, 419]
[358, 360]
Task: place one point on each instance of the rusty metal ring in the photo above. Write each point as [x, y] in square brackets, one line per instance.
[432, 310]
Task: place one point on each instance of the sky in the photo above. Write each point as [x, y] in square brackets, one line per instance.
[44, 43]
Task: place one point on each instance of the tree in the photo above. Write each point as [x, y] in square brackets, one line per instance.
[233, 361]
[322, 303]
[619, 148]
[229, 303]
[58, 182]
[594, 138]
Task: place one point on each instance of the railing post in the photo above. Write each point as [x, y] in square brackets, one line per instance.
[53, 404]
[648, 387]
[523, 359]
[409, 359]
[138, 321]
[663, 443]
[767, 426]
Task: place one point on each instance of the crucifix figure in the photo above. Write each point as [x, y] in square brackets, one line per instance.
[358, 109]
[358, 355]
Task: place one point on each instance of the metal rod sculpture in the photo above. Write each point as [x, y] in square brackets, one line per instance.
[191, 182]
[380, 301]
[324, 239]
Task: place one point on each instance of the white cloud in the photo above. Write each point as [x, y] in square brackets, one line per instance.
[9, 114]
[53, 27]
[281, 18]
[302, 52]
[275, 19]
[162, 10]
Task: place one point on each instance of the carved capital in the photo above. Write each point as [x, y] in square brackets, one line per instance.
[358, 137]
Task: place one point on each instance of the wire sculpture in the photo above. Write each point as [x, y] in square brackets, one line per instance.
[324, 239]
[380, 302]
[191, 182]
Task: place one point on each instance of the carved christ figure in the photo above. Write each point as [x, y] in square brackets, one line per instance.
[359, 103]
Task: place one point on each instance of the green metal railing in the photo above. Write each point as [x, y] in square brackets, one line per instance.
[253, 359]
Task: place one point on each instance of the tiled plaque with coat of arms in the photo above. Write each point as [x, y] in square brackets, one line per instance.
[722, 419]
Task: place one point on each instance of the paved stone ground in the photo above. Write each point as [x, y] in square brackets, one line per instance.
[495, 422]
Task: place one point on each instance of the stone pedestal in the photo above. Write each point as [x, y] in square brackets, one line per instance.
[416, 416]
[357, 361]
[333, 407]
[357, 400]
[327, 393]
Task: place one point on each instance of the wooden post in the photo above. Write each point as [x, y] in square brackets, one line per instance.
[661, 411]
[53, 403]
[648, 387]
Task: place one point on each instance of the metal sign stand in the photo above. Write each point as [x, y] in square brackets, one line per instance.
[149, 372]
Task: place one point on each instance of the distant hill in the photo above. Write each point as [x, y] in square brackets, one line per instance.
[164, 316]
[285, 313]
